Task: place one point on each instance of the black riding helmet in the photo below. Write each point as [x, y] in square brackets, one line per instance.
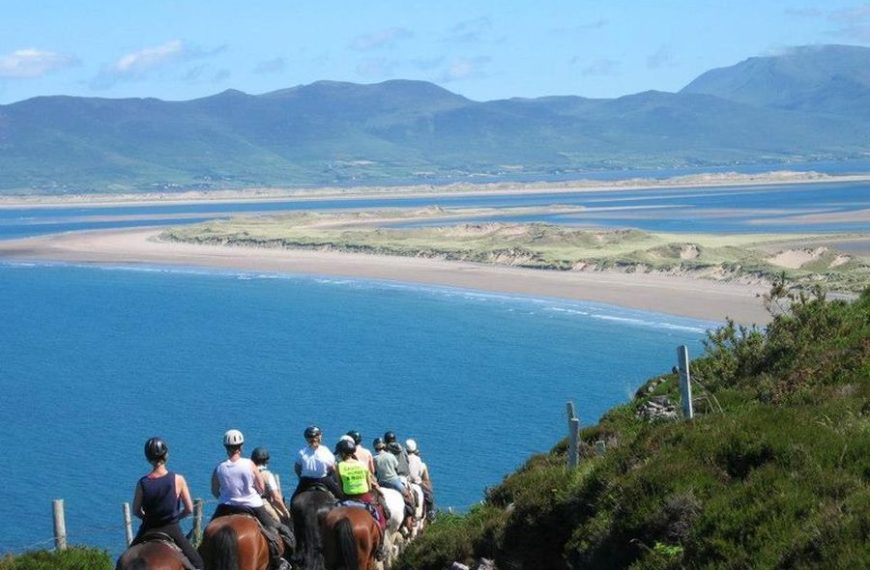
[378, 443]
[260, 456]
[357, 437]
[155, 449]
[312, 431]
[345, 447]
[389, 437]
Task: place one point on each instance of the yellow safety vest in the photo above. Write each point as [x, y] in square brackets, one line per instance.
[354, 477]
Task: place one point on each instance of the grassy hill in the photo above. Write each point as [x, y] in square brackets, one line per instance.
[774, 472]
[410, 131]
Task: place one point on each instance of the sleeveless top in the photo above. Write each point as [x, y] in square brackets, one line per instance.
[354, 477]
[237, 483]
[159, 500]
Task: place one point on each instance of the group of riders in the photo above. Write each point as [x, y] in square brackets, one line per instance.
[352, 474]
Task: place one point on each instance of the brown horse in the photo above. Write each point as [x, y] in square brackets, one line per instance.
[234, 542]
[151, 555]
[350, 539]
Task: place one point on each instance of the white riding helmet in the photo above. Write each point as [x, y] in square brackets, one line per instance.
[347, 438]
[234, 437]
[411, 445]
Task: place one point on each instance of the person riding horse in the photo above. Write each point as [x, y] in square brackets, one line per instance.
[357, 484]
[238, 486]
[420, 476]
[157, 499]
[314, 464]
[393, 446]
[362, 453]
[386, 465]
[272, 496]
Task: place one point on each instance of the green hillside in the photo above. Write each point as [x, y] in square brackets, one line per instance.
[774, 472]
[330, 133]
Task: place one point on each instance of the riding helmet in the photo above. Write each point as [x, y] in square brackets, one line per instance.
[155, 449]
[357, 438]
[312, 431]
[378, 443]
[389, 437]
[234, 437]
[411, 445]
[345, 447]
[260, 456]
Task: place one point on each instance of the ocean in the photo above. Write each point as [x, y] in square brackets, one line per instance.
[94, 360]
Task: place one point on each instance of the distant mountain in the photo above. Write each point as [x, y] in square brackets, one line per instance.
[820, 79]
[810, 103]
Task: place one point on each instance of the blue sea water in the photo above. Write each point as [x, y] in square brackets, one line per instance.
[95, 360]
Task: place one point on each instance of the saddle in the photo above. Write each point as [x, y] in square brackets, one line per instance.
[367, 506]
[157, 536]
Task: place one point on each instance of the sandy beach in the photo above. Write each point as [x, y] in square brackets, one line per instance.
[670, 294]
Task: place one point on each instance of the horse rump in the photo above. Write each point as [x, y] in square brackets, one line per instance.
[220, 551]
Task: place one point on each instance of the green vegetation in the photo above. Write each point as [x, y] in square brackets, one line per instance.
[807, 105]
[77, 558]
[774, 472]
[536, 246]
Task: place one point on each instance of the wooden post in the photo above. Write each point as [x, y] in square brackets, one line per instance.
[685, 381]
[59, 525]
[573, 441]
[198, 506]
[128, 524]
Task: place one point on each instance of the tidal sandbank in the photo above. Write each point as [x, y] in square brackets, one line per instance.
[669, 294]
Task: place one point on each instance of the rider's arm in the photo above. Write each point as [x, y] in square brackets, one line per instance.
[259, 485]
[184, 495]
[297, 467]
[137, 502]
[278, 499]
[215, 485]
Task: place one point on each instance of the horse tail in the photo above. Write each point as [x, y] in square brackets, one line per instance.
[225, 549]
[346, 543]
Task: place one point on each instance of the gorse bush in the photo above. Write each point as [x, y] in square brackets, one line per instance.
[775, 472]
[77, 558]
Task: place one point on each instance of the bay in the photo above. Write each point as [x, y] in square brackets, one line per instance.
[96, 360]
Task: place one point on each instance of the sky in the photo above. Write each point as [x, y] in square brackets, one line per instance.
[484, 50]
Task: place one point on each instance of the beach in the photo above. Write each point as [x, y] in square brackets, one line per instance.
[669, 294]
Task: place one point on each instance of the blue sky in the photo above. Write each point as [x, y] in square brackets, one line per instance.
[485, 50]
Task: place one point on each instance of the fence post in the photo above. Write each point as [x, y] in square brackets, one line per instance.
[59, 525]
[685, 381]
[198, 506]
[128, 524]
[573, 435]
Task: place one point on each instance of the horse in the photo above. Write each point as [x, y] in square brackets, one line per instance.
[419, 510]
[234, 542]
[152, 555]
[308, 508]
[350, 539]
[395, 506]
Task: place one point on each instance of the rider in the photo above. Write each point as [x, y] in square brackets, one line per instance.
[385, 468]
[420, 476]
[314, 464]
[357, 482]
[157, 499]
[362, 453]
[272, 496]
[394, 447]
[238, 486]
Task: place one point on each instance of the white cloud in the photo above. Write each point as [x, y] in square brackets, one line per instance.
[379, 39]
[29, 63]
[469, 31]
[138, 62]
[465, 68]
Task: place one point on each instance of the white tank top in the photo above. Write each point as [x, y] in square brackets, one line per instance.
[237, 483]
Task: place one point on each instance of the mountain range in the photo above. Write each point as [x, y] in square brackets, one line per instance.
[809, 103]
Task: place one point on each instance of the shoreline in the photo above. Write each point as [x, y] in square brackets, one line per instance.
[267, 195]
[660, 293]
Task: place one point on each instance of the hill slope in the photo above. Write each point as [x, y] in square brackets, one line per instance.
[774, 472]
[412, 131]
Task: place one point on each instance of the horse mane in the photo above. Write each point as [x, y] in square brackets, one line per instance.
[309, 505]
[224, 549]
